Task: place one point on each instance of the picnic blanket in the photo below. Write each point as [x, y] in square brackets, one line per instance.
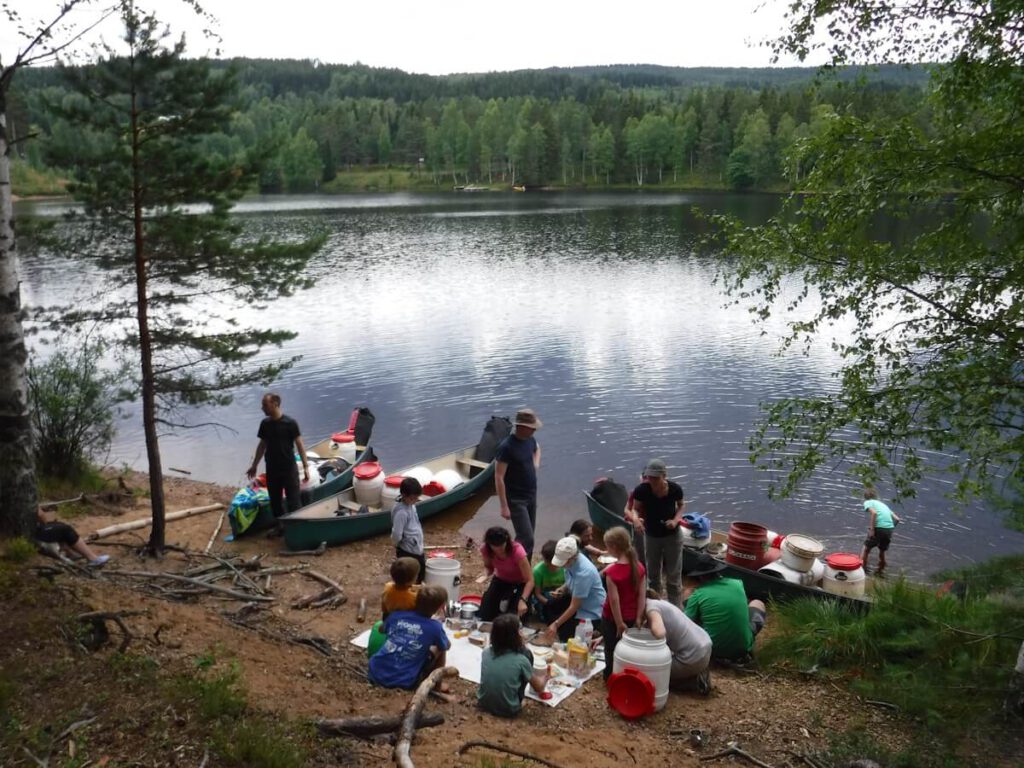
[466, 657]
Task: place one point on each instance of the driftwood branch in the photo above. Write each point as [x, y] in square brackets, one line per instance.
[364, 727]
[507, 750]
[98, 619]
[213, 536]
[194, 582]
[412, 713]
[303, 552]
[111, 530]
[327, 581]
[733, 748]
[48, 504]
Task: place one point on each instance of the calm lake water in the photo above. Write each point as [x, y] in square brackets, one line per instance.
[595, 310]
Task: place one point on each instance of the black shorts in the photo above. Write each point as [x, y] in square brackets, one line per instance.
[56, 533]
[881, 539]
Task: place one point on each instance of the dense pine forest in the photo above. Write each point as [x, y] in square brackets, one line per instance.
[335, 127]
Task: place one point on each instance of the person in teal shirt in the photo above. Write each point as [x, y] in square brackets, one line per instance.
[582, 584]
[506, 668]
[547, 578]
[720, 606]
[881, 522]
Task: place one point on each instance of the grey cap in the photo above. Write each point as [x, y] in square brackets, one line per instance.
[655, 468]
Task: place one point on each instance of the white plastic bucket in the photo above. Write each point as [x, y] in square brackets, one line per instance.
[779, 570]
[691, 541]
[343, 446]
[799, 552]
[444, 572]
[368, 483]
[844, 575]
[422, 474]
[390, 492]
[641, 650]
[449, 478]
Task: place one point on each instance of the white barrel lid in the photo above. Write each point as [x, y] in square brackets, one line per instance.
[803, 546]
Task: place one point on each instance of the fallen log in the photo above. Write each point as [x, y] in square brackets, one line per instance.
[307, 600]
[364, 727]
[413, 709]
[195, 583]
[507, 750]
[303, 552]
[324, 580]
[111, 530]
[278, 569]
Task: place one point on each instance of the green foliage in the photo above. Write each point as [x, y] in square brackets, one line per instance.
[931, 366]
[216, 692]
[18, 550]
[260, 744]
[997, 576]
[89, 479]
[941, 659]
[72, 402]
[28, 180]
[857, 744]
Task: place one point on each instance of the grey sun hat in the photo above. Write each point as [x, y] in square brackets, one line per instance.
[525, 417]
[655, 468]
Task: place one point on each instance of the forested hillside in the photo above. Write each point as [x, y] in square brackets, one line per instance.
[637, 125]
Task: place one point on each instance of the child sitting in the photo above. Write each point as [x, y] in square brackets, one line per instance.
[63, 539]
[506, 669]
[400, 592]
[406, 531]
[547, 578]
[416, 643]
[584, 533]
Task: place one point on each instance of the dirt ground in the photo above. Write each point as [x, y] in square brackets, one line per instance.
[774, 717]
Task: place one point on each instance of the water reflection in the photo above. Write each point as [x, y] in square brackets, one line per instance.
[438, 311]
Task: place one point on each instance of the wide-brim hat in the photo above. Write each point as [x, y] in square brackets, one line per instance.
[565, 550]
[527, 418]
[706, 565]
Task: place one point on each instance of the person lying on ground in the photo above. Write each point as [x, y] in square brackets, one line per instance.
[51, 531]
[416, 643]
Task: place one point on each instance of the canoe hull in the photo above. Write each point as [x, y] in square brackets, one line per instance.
[320, 522]
[757, 585]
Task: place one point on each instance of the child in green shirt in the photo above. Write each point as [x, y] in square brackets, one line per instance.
[547, 578]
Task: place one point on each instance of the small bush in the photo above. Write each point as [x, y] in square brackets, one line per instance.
[253, 744]
[19, 550]
[217, 693]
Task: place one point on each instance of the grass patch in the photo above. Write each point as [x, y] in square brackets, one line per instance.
[944, 660]
[259, 743]
[215, 692]
[18, 550]
[88, 479]
[28, 181]
[1003, 575]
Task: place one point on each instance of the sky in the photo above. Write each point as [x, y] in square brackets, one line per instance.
[447, 36]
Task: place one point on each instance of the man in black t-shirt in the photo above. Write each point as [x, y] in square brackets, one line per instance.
[515, 477]
[280, 440]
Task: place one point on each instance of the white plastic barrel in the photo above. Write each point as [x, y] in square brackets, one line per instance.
[343, 446]
[641, 650]
[844, 575]
[390, 492]
[444, 572]
[779, 570]
[799, 551]
[422, 474]
[368, 483]
[449, 478]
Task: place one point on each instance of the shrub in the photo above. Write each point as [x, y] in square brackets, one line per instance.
[19, 550]
[72, 401]
[258, 745]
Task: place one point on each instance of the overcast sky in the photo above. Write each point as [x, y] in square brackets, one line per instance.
[445, 36]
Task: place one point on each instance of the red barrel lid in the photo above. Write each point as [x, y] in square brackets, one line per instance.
[843, 561]
[433, 488]
[394, 481]
[367, 470]
[631, 693]
[343, 437]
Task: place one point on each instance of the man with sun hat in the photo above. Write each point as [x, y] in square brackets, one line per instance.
[515, 477]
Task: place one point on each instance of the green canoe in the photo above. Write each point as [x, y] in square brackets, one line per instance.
[337, 519]
[759, 586]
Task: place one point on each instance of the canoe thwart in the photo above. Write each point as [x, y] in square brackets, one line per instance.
[352, 506]
[473, 463]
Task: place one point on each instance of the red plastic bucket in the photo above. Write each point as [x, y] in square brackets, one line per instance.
[433, 488]
[631, 693]
[747, 545]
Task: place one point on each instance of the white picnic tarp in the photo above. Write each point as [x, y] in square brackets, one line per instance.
[466, 657]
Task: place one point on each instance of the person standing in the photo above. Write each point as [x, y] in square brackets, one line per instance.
[881, 522]
[406, 530]
[280, 440]
[515, 477]
[658, 508]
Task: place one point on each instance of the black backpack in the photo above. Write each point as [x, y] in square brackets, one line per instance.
[497, 429]
[610, 495]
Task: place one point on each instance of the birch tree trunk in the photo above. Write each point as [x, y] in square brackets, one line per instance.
[17, 468]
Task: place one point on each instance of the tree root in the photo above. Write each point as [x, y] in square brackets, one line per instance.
[508, 750]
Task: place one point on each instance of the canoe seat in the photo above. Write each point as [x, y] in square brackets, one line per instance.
[349, 505]
[473, 463]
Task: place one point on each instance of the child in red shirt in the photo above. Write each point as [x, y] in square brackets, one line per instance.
[626, 582]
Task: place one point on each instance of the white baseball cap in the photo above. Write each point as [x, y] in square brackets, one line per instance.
[565, 550]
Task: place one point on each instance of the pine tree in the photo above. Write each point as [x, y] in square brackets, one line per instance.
[156, 213]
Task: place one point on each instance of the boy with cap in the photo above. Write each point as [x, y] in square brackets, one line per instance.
[515, 477]
[583, 585]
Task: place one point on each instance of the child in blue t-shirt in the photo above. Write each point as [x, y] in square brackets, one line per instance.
[416, 644]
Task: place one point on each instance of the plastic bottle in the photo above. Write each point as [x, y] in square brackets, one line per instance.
[585, 632]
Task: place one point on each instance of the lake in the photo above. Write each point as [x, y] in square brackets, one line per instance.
[437, 311]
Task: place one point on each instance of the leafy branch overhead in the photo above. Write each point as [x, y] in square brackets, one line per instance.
[931, 375]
